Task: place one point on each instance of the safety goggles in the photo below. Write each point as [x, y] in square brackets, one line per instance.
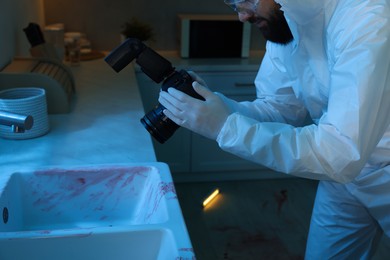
[243, 6]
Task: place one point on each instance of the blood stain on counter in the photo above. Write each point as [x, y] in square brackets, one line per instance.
[92, 187]
[281, 199]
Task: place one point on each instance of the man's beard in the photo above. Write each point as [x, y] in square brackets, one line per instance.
[277, 29]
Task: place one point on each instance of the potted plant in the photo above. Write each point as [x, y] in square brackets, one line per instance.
[134, 28]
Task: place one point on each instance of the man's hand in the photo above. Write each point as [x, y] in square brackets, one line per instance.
[203, 117]
[197, 78]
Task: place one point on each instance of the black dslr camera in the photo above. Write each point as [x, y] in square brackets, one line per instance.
[158, 69]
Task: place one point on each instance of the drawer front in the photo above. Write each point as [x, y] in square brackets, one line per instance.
[208, 156]
[231, 84]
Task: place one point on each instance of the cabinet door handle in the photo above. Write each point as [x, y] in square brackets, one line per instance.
[244, 85]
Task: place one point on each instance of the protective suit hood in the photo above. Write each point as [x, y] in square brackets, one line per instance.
[302, 11]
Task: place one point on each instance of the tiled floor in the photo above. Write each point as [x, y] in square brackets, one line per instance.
[262, 219]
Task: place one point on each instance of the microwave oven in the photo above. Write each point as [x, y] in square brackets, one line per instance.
[213, 36]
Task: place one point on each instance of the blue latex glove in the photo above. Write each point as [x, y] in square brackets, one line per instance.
[203, 117]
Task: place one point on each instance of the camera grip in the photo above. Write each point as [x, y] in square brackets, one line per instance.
[181, 80]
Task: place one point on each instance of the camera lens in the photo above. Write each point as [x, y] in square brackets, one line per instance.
[158, 125]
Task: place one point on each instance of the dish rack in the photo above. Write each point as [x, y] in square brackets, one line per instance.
[51, 75]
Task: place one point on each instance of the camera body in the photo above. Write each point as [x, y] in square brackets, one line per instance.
[158, 69]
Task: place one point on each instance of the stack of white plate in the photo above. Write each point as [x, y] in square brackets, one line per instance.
[25, 101]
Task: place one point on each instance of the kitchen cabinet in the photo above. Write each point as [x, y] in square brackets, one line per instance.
[206, 154]
[176, 151]
[192, 157]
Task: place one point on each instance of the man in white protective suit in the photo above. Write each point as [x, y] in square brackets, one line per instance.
[329, 61]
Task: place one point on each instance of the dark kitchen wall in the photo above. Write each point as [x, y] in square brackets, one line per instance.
[14, 16]
[101, 20]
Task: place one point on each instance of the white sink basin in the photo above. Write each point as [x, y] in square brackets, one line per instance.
[92, 212]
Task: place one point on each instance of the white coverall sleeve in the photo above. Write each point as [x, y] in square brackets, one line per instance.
[356, 118]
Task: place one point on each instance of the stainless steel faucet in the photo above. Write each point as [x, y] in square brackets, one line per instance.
[18, 123]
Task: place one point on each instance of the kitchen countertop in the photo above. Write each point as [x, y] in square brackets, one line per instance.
[214, 65]
[102, 128]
